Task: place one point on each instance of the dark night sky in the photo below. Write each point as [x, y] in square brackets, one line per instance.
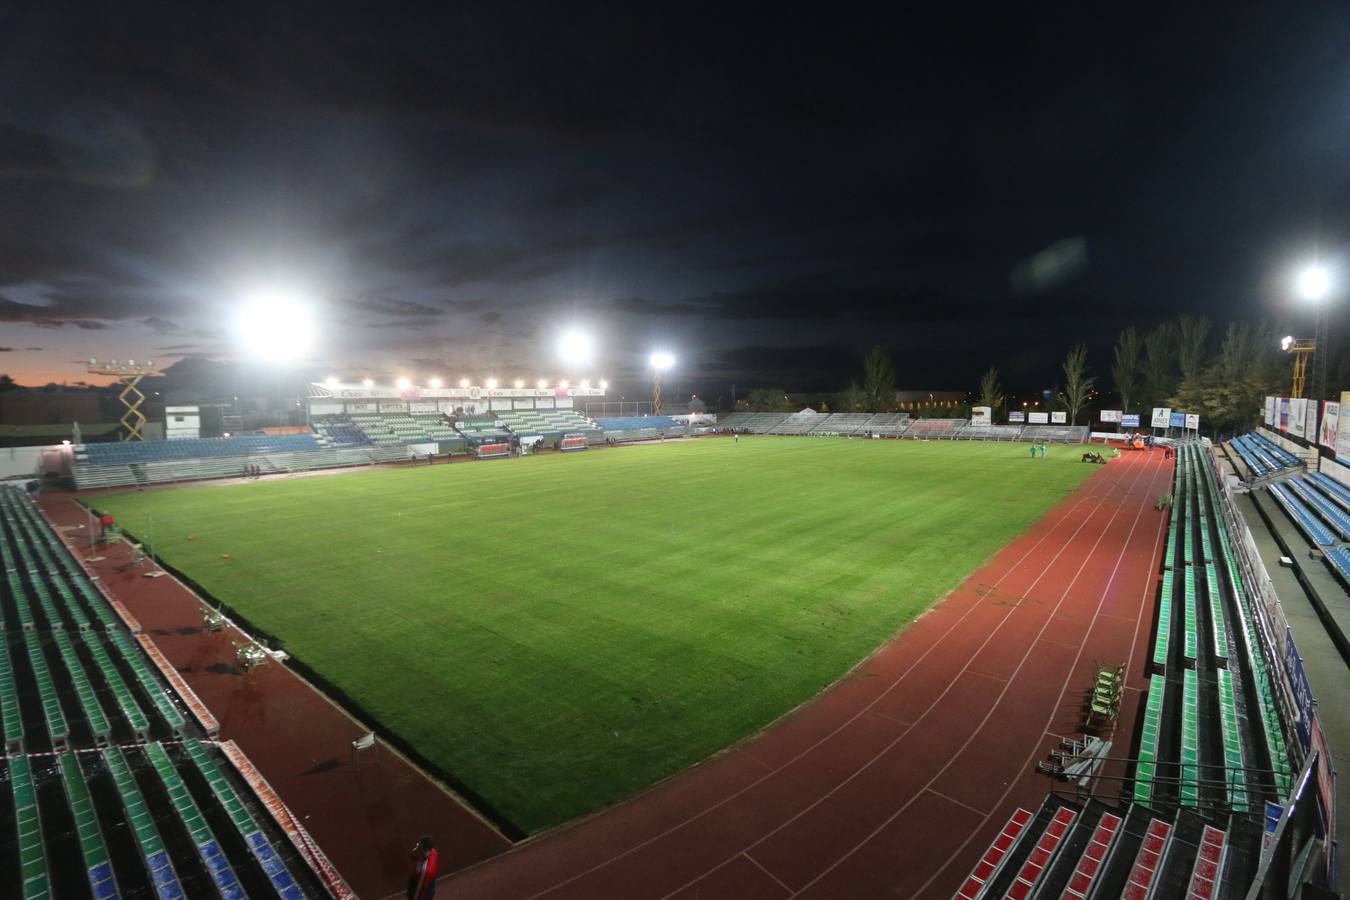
[764, 193]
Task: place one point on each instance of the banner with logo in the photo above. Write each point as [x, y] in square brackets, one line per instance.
[1283, 423]
[1162, 416]
[1018, 416]
[1129, 420]
[1059, 418]
[1343, 434]
[1176, 420]
[981, 416]
[1270, 412]
[1310, 427]
[1298, 416]
[1331, 419]
[1193, 421]
[1038, 418]
[1110, 415]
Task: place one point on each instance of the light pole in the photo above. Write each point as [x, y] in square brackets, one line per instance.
[660, 362]
[1314, 285]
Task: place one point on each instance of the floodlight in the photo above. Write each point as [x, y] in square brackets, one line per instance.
[368, 382]
[435, 382]
[603, 384]
[542, 383]
[520, 383]
[661, 361]
[563, 384]
[464, 382]
[576, 347]
[585, 384]
[275, 327]
[491, 384]
[1286, 342]
[403, 384]
[330, 382]
[1314, 282]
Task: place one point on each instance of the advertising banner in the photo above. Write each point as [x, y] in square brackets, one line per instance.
[1298, 415]
[1162, 416]
[981, 416]
[1283, 423]
[1310, 427]
[1331, 419]
[1270, 412]
[1038, 418]
[1193, 421]
[1059, 418]
[1110, 415]
[1298, 684]
[1343, 434]
[1129, 420]
[1018, 416]
[1176, 420]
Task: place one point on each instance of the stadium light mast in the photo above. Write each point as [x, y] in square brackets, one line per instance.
[1313, 284]
[128, 374]
[660, 362]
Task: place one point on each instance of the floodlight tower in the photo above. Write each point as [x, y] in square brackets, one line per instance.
[1314, 284]
[660, 362]
[129, 374]
[1302, 349]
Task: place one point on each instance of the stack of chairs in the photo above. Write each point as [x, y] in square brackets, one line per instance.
[1104, 705]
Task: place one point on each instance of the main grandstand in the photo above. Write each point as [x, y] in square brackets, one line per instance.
[1104, 707]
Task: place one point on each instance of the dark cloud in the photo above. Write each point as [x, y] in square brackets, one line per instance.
[453, 189]
[6, 349]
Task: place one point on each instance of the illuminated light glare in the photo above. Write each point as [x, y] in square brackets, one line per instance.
[603, 384]
[520, 383]
[1286, 342]
[585, 384]
[542, 383]
[368, 382]
[464, 382]
[403, 384]
[661, 360]
[435, 382]
[330, 382]
[576, 347]
[563, 384]
[1314, 282]
[491, 384]
[275, 327]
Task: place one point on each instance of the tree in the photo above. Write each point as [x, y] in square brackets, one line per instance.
[1160, 380]
[7, 383]
[769, 400]
[1129, 366]
[878, 381]
[1237, 354]
[1192, 334]
[1077, 382]
[853, 398]
[991, 392]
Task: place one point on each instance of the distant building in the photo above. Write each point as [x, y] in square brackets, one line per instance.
[916, 399]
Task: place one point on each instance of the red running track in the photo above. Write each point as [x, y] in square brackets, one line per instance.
[892, 782]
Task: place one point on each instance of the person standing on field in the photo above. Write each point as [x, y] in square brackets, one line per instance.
[422, 878]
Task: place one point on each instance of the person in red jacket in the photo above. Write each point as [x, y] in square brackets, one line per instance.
[422, 879]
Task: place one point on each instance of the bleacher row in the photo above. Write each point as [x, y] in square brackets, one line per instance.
[1263, 456]
[809, 422]
[114, 751]
[1075, 851]
[1197, 645]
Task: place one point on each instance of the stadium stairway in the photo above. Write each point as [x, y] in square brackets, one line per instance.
[104, 800]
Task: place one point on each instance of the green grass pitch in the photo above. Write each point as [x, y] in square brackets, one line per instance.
[561, 631]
